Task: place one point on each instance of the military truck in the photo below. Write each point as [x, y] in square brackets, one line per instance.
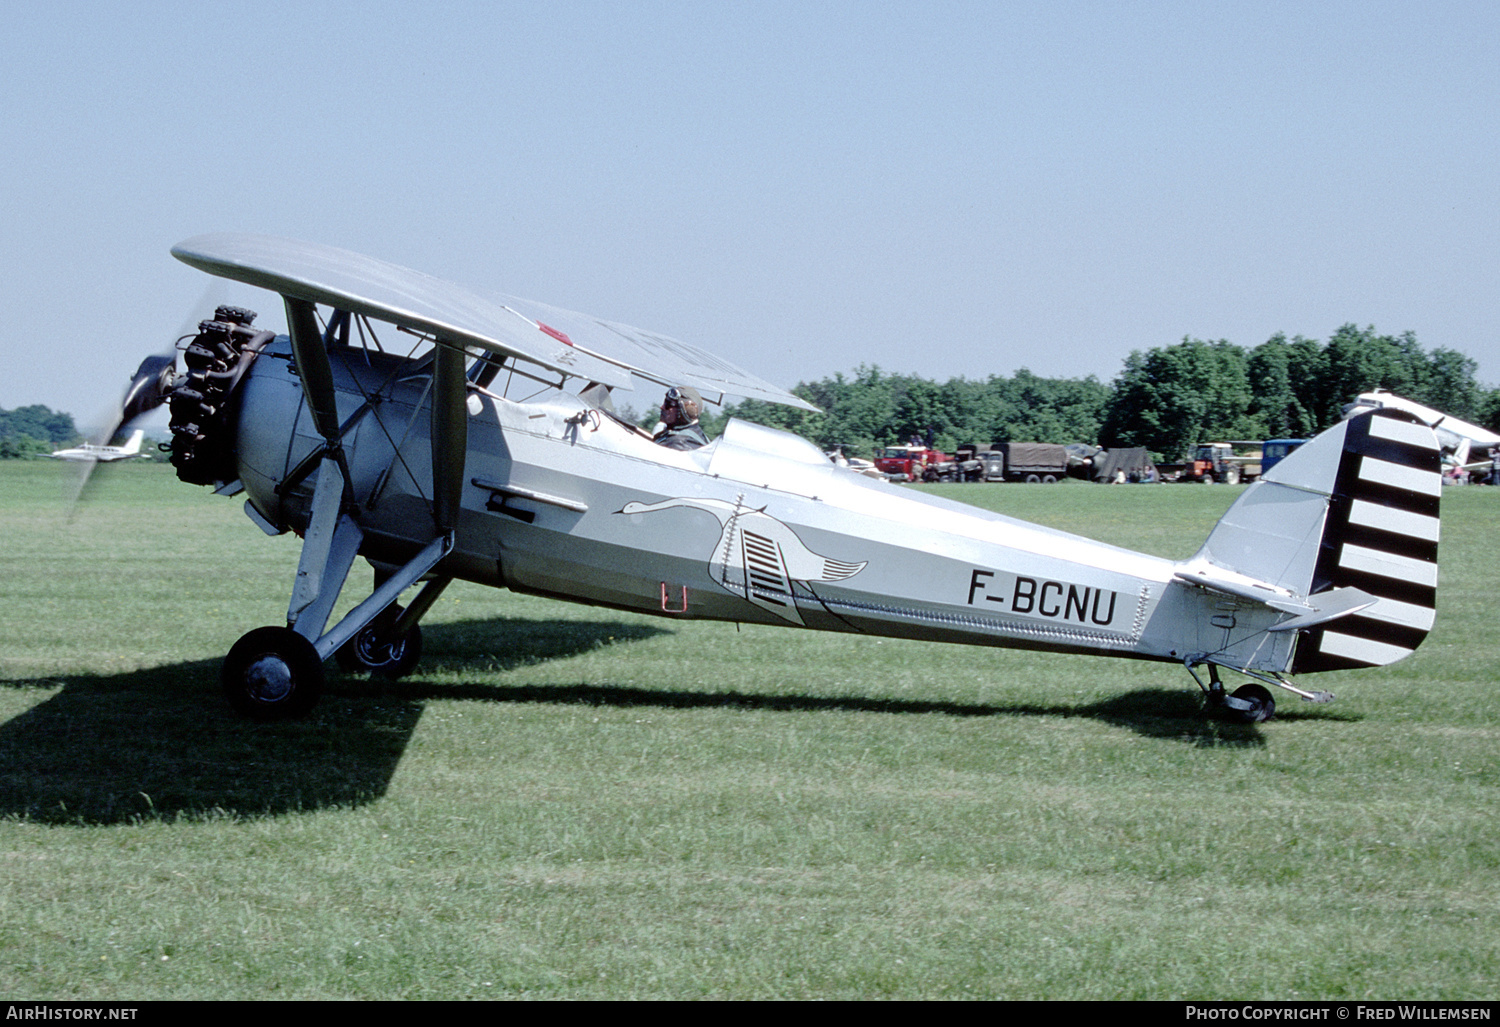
[1031, 462]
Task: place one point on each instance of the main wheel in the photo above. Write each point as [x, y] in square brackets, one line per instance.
[1263, 706]
[272, 674]
[373, 650]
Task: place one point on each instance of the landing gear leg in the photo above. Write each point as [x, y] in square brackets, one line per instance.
[277, 673]
[391, 645]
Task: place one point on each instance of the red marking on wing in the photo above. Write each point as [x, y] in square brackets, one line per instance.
[559, 336]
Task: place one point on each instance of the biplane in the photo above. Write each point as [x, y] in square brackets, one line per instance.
[442, 432]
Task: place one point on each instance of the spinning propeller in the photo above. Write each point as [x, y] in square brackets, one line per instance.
[211, 352]
[148, 389]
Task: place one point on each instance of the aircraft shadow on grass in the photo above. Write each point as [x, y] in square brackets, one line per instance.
[150, 745]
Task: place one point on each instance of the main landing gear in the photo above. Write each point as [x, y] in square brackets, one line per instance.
[272, 674]
[276, 674]
[377, 650]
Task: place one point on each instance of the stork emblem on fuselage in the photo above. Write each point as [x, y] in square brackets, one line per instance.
[758, 556]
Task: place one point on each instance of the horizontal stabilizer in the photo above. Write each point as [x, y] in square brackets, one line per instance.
[1325, 607]
[1306, 611]
[1240, 588]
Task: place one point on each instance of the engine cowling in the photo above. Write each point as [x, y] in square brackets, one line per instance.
[202, 423]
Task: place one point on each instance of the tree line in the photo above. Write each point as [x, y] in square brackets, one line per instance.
[34, 430]
[1164, 399]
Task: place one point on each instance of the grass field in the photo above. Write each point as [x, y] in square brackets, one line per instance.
[575, 803]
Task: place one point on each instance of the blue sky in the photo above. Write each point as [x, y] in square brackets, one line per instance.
[939, 188]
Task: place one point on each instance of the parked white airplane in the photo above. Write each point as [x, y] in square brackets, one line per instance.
[1458, 438]
[90, 451]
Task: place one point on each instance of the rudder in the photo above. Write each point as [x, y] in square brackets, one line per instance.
[1357, 508]
[1380, 536]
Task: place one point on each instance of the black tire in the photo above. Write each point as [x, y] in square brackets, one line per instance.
[1263, 705]
[1033, 479]
[272, 674]
[1049, 479]
[373, 651]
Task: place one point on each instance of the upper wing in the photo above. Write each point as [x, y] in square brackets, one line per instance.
[574, 344]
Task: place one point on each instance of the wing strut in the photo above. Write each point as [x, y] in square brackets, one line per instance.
[333, 535]
[311, 354]
[450, 435]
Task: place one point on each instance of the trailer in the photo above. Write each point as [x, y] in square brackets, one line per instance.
[1238, 462]
[1277, 450]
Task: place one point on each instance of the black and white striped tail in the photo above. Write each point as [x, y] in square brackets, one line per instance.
[1380, 536]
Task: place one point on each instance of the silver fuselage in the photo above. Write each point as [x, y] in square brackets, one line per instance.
[757, 527]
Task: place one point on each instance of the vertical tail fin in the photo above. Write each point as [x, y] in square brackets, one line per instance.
[1381, 536]
[1357, 507]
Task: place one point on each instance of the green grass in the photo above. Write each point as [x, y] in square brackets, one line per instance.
[573, 803]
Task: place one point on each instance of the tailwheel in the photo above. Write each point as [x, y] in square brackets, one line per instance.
[1262, 706]
[272, 674]
[1250, 704]
[373, 650]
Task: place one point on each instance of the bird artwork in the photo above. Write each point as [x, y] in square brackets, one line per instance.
[758, 555]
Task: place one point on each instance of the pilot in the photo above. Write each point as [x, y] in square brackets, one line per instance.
[679, 419]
